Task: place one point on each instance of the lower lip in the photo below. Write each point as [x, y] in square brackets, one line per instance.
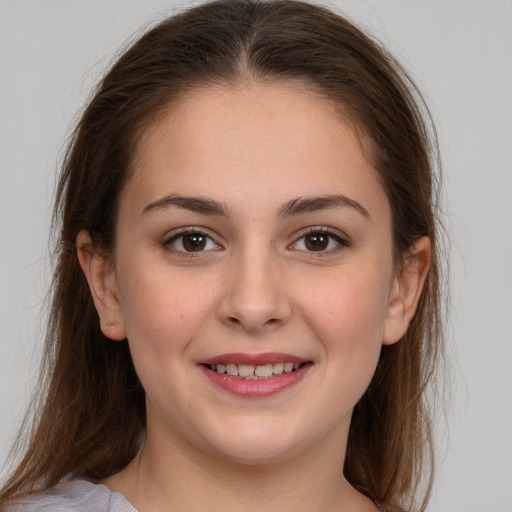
[248, 388]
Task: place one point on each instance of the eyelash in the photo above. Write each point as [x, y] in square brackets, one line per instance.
[339, 240]
[167, 244]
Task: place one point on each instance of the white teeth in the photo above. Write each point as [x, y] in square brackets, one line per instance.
[278, 368]
[232, 369]
[245, 370]
[264, 371]
[248, 371]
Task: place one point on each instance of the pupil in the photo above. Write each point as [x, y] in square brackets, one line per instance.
[194, 242]
[317, 242]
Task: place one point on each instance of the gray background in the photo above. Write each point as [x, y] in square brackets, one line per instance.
[459, 51]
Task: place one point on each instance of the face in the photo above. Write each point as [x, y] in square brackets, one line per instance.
[253, 273]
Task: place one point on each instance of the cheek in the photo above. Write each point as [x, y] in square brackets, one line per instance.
[347, 315]
[163, 311]
[351, 306]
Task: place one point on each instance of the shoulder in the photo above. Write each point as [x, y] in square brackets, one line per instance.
[75, 496]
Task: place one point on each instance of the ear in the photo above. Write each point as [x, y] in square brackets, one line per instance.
[100, 273]
[406, 290]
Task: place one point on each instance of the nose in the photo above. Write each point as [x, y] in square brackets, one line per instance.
[254, 299]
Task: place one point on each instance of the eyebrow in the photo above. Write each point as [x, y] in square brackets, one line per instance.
[293, 208]
[303, 205]
[202, 205]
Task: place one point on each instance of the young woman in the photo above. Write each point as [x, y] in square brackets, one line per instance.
[246, 302]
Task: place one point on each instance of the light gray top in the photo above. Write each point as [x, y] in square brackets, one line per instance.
[76, 496]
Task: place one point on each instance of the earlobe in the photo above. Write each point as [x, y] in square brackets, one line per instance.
[406, 290]
[101, 277]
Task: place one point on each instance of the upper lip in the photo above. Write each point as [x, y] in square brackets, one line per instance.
[254, 359]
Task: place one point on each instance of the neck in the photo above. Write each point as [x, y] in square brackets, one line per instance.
[169, 477]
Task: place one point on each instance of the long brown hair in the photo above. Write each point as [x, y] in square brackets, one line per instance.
[91, 419]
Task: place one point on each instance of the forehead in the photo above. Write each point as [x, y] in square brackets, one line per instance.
[254, 138]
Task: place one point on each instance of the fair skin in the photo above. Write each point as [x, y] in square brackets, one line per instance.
[253, 230]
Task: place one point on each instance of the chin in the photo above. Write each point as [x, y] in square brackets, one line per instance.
[259, 444]
[257, 454]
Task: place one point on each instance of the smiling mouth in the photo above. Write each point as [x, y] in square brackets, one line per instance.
[252, 372]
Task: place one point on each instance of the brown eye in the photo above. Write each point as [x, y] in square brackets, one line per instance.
[191, 241]
[321, 241]
[194, 242]
[316, 241]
